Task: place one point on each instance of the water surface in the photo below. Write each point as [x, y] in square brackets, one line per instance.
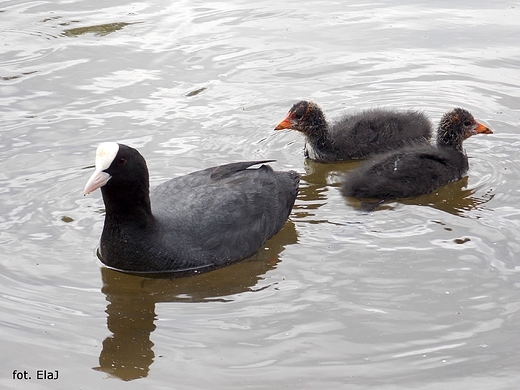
[421, 293]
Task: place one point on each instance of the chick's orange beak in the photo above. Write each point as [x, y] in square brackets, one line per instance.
[285, 124]
[481, 129]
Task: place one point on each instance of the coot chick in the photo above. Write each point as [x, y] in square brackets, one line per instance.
[419, 169]
[355, 136]
[197, 222]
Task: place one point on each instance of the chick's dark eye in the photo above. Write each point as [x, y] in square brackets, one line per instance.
[121, 161]
[298, 114]
[467, 123]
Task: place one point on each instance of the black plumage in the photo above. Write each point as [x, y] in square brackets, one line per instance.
[200, 221]
[356, 136]
[419, 169]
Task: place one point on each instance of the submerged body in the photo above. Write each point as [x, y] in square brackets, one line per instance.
[200, 221]
[357, 136]
[418, 170]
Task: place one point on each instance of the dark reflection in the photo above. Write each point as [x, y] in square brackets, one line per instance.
[196, 92]
[100, 30]
[320, 174]
[128, 352]
[454, 198]
[14, 77]
[315, 184]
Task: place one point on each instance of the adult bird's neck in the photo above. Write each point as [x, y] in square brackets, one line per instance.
[133, 205]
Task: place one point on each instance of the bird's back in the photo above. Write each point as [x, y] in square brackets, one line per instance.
[220, 214]
[409, 172]
[377, 131]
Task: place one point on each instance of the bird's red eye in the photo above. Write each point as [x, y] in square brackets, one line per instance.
[121, 161]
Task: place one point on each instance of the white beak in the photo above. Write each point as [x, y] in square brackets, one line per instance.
[97, 180]
[105, 155]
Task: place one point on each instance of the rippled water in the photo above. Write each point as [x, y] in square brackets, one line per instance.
[416, 294]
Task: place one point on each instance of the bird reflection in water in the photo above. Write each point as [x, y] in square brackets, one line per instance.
[455, 198]
[128, 353]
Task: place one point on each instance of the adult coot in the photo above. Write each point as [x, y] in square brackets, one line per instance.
[355, 136]
[418, 169]
[200, 221]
